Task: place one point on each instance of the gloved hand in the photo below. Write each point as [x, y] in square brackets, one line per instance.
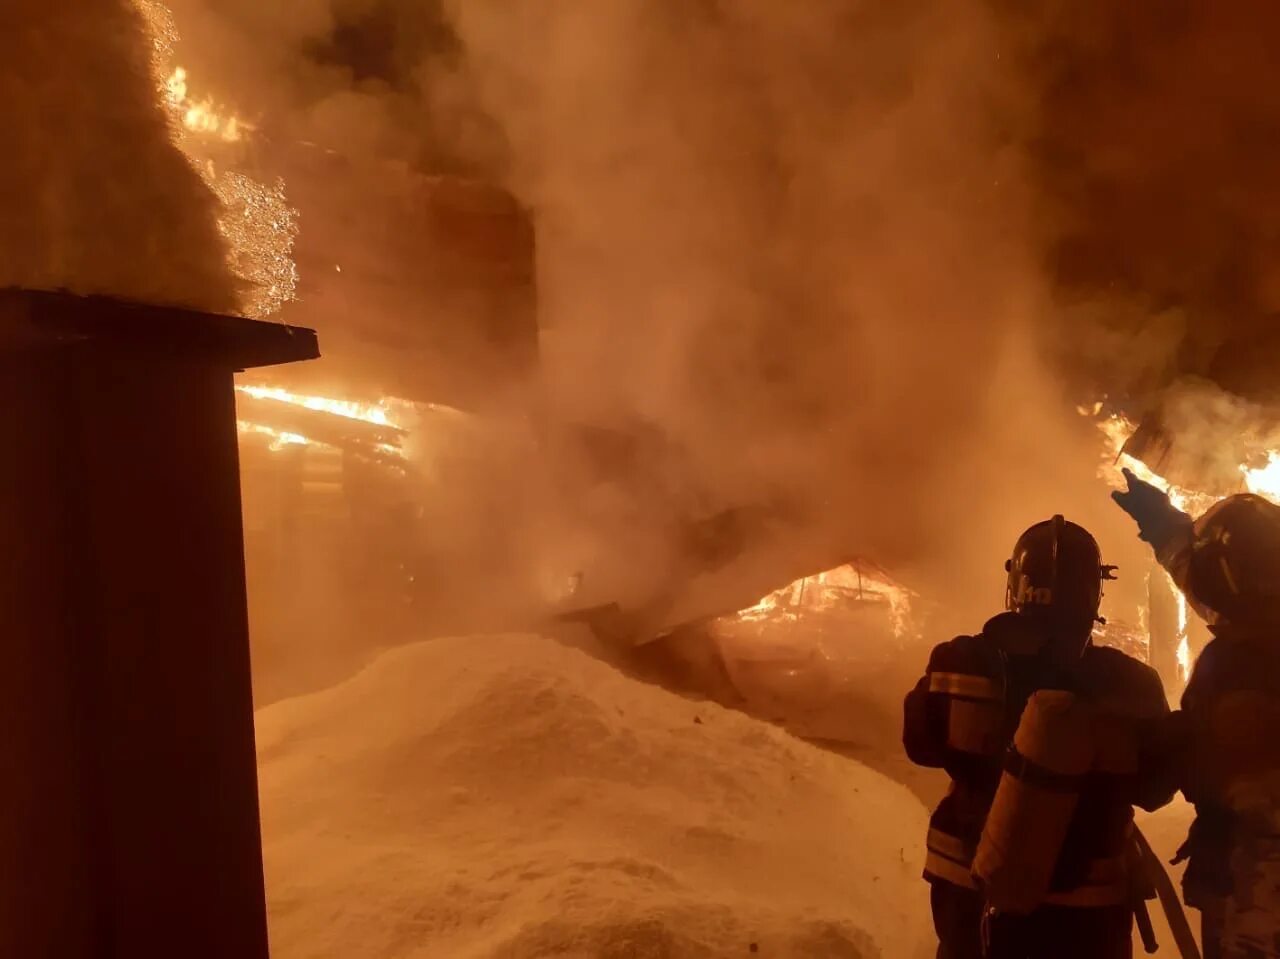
[1158, 519]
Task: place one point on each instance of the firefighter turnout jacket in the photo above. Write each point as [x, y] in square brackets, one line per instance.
[1229, 768]
[1225, 742]
[962, 717]
[1231, 772]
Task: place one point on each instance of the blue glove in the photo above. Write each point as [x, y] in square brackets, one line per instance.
[1159, 521]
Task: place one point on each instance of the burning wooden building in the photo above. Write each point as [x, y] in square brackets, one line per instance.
[340, 461]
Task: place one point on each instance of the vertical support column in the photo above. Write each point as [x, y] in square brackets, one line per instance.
[177, 772]
[128, 814]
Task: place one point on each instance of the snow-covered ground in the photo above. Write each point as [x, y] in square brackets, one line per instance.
[509, 797]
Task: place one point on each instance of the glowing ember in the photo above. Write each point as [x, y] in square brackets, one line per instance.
[260, 228]
[163, 33]
[829, 590]
[257, 222]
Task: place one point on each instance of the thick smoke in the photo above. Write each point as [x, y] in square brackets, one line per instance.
[368, 78]
[1159, 214]
[797, 238]
[96, 198]
[1153, 154]
[814, 256]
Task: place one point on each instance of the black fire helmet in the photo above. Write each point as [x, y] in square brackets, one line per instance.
[1056, 572]
[1235, 560]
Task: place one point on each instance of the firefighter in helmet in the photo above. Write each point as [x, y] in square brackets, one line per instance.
[1226, 739]
[962, 717]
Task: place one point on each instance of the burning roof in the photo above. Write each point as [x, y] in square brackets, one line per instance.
[1208, 464]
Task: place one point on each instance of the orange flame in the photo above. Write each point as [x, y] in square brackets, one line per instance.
[1264, 480]
[389, 412]
[280, 438]
[822, 592]
[378, 413]
[201, 116]
[256, 220]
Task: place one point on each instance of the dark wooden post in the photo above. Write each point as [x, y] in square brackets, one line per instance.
[128, 788]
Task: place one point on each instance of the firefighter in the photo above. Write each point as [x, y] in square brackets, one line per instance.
[962, 717]
[1227, 735]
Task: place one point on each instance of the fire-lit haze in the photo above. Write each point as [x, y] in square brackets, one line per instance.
[849, 263]
[802, 240]
[733, 342]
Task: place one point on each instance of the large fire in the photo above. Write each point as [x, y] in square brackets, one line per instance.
[388, 412]
[1264, 481]
[378, 413]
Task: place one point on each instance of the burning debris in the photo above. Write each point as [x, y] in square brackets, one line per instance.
[296, 419]
[381, 429]
[848, 587]
[1135, 446]
[377, 413]
[1210, 465]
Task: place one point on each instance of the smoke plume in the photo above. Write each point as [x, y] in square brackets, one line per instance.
[1153, 152]
[96, 198]
[854, 264]
[797, 238]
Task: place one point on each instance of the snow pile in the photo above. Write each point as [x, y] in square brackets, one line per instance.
[508, 797]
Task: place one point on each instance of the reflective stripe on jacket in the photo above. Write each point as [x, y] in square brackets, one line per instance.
[961, 717]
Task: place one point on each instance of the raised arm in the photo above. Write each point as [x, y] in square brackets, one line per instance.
[1169, 531]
